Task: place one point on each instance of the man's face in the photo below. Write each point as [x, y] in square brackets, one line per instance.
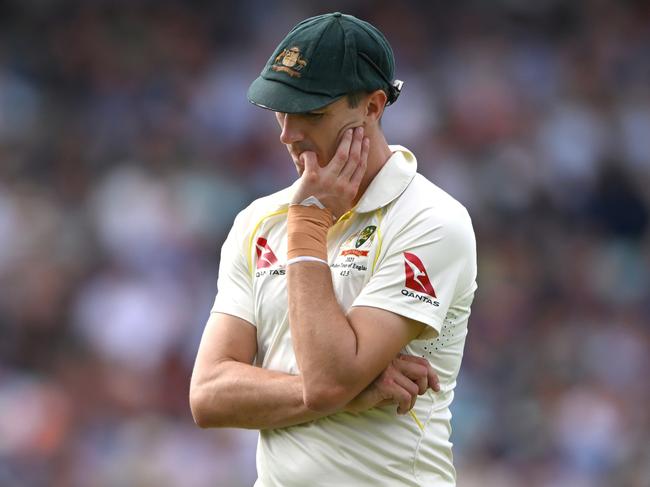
[319, 131]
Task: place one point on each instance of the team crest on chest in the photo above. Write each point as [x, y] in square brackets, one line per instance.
[359, 243]
[364, 235]
[353, 253]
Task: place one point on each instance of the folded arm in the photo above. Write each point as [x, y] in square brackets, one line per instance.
[340, 355]
[227, 391]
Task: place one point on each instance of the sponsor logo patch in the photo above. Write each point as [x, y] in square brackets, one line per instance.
[420, 297]
[417, 278]
[265, 256]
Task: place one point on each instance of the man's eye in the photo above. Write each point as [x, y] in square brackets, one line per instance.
[314, 115]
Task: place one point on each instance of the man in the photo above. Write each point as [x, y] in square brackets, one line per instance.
[343, 289]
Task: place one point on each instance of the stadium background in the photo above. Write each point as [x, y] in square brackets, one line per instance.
[127, 146]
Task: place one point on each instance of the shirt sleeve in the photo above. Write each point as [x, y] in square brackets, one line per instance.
[423, 268]
[234, 285]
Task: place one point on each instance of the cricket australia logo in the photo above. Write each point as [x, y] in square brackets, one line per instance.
[364, 235]
[417, 280]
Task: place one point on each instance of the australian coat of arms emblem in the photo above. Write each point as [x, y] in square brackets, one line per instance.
[289, 61]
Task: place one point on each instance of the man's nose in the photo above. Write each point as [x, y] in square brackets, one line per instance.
[291, 132]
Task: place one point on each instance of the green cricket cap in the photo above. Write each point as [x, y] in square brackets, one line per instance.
[322, 59]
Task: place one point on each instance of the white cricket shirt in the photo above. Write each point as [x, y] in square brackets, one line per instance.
[407, 247]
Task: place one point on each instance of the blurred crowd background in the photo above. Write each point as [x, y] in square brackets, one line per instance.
[127, 147]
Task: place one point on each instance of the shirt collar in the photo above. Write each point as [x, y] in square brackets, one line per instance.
[390, 182]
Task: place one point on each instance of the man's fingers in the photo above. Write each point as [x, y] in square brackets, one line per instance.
[394, 393]
[413, 358]
[422, 384]
[417, 367]
[407, 384]
[403, 399]
[310, 161]
[342, 153]
[410, 388]
[360, 169]
[413, 369]
[403, 380]
[354, 156]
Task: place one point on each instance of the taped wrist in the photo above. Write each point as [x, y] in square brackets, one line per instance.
[307, 228]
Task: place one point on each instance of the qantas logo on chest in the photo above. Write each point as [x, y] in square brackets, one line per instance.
[416, 275]
[265, 256]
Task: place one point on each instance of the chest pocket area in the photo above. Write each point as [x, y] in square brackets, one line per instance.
[354, 262]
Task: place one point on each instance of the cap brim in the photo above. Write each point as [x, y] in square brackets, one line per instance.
[279, 97]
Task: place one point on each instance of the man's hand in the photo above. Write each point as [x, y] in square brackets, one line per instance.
[400, 383]
[337, 184]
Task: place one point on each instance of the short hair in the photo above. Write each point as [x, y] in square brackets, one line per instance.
[355, 97]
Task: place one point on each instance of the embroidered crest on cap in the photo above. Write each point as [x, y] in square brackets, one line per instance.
[289, 61]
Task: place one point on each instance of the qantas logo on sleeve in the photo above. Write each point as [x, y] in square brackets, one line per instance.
[417, 280]
[265, 256]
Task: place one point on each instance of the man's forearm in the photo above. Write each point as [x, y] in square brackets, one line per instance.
[325, 344]
[244, 396]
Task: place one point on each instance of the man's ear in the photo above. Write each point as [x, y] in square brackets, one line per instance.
[375, 104]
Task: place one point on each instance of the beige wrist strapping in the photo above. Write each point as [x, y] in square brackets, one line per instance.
[307, 228]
